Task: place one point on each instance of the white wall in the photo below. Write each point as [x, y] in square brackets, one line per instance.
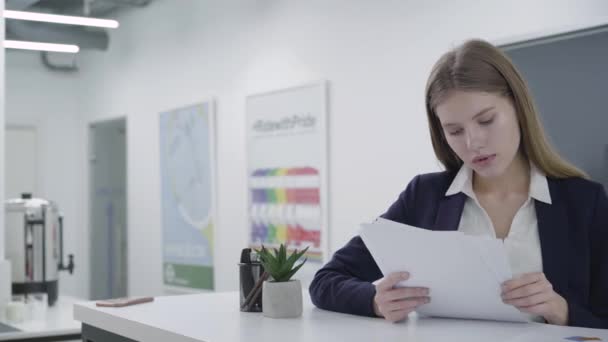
[376, 55]
[48, 101]
[1, 130]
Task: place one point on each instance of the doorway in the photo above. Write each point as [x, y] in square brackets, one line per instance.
[108, 208]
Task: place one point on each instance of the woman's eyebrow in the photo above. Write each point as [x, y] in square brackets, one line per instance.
[481, 112]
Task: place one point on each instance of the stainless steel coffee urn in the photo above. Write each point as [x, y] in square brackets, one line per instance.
[34, 245]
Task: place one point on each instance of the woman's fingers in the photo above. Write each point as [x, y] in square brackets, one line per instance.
[528, 290]
[391, 280]
[407, 304]
[522, 280]
[395, 304]
[405, 292]
[530, 301]
[402, 308]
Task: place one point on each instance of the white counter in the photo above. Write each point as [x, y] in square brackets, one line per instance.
[58, 321]
[216, 317]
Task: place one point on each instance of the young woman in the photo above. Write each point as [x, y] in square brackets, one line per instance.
[503, 180]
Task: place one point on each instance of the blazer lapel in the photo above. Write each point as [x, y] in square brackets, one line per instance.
[553, 233]
[449, 212]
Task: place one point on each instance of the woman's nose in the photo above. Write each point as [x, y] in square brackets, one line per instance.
[475, 139]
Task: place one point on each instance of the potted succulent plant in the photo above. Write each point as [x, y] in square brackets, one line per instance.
[281, 295]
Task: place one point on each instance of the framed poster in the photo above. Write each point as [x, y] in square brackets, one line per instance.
[187, 170]
[287, 169]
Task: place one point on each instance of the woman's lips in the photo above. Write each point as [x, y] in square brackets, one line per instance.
[484, 160]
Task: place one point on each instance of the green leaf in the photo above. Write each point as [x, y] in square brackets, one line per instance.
[282, 254]
[292, 272]
[295, 256]
[279, 265]
[289, 263]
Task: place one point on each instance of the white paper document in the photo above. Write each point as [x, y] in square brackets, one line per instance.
[463, 272]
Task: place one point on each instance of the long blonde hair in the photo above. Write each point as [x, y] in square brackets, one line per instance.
[477, 65]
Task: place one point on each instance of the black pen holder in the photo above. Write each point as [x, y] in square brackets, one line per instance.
[249, 276]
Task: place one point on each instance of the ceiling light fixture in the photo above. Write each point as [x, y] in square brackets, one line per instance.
[23, 45]
[60, 19]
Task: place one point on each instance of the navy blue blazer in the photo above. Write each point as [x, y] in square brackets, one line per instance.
[573, 234]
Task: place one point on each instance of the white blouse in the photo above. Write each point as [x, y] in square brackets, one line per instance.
[522, 243]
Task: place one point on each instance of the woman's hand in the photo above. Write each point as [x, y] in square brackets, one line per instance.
[533, 293]
[394, 304]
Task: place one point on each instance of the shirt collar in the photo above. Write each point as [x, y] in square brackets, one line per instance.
[539, 186]
[463, 182]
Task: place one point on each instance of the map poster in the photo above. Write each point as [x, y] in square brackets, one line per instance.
[188, 196]
[287, 169]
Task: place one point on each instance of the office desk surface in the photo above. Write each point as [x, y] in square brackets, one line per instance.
[216, 317]
[58, 321]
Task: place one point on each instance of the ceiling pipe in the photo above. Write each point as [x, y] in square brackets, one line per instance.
[44, 58]
[19, 5]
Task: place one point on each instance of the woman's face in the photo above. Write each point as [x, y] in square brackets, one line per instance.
[482, 129]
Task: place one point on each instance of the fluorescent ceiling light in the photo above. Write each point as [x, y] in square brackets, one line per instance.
[60, 19]
[17, 44]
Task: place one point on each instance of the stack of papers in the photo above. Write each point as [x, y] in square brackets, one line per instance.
[463, 272]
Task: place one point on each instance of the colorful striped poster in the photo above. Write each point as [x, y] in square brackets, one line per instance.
[287, 167]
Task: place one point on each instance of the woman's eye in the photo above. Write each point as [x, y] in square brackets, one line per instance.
[486, 122]
[456, 132]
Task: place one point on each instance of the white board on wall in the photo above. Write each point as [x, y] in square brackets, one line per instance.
[287, 168]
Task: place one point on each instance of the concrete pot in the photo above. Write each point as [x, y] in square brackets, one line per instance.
[282, 300]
